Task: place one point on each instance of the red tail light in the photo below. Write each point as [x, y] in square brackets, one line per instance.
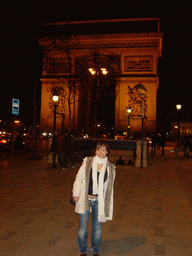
[3, 141]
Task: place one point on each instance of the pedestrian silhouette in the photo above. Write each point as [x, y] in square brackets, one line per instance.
[68, 150]
[120, 161]
[129, 162]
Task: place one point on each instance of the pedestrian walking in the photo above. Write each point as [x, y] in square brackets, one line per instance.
[93, 192]
[162, 142]
[155, 140]
[68, 150]
[56, 147]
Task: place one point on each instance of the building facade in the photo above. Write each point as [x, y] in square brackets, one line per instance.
[185, 128]
[127, 51]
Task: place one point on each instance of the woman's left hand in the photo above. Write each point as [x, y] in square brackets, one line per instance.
[76, 198]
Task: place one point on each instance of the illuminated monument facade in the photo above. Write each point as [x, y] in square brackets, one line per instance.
[128, 50]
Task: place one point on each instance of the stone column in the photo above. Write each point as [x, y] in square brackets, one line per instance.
[138, 154]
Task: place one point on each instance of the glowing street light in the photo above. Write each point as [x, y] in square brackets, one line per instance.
[129, 114]
[55, 100]
[104, 71]
[97, 72]
[94, 71]
[142, 91]
[178, 107]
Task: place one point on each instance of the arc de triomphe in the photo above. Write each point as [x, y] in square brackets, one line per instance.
[128, 50]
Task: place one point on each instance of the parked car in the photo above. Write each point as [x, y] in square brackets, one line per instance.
[5, 141]
[20, 142]
[42, 134]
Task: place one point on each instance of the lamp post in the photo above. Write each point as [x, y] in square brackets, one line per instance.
[97, 72]
[129, 114]
[55, 100]
[178, 107]
[142, 91]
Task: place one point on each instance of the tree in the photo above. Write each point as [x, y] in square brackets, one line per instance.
[62, 74]
[67, 72]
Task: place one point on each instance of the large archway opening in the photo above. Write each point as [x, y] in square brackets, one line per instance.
[97, 105]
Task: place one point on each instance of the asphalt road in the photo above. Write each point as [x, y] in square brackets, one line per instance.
[42, 147]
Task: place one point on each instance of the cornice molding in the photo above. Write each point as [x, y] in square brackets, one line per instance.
[99, 21]
[137, 80]
[51, 80]
[121, 80]
[106, 41]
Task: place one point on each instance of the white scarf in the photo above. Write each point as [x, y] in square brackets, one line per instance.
[98, 188]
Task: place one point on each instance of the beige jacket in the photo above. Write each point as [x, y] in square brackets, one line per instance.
[81, 183]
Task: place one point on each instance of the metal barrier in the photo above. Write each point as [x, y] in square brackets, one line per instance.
[126, 148]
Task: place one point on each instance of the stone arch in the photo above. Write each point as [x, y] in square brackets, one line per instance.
[131, 55]
[105, 86]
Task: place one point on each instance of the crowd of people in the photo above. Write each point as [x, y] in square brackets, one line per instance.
[62, 147]
[158, 140]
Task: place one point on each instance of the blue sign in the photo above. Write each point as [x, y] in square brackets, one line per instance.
[15, 107]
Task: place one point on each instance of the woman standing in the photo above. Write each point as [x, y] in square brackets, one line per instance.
[93, 192]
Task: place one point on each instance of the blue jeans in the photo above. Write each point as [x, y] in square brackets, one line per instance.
[96, 229]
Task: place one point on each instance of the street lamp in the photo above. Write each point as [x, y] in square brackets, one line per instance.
[55, 100]
[97, 72]
[178, 107]
[142, 91]
[129, 114]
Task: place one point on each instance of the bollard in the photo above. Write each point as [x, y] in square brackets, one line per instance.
[141, 162]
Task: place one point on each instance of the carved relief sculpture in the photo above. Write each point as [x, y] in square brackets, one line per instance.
[138, 63]
[135, 101]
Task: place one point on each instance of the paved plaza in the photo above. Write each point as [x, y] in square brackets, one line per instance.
[152, 209]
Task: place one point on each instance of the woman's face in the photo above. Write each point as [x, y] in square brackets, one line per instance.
[101, 152]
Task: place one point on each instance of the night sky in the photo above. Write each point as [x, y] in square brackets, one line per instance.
[21, 55]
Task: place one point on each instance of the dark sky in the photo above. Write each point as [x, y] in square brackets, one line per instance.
[20, 53]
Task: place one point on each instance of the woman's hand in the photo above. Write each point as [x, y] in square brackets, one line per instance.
[76, 198]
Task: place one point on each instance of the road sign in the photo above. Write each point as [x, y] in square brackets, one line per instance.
[15, 107]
